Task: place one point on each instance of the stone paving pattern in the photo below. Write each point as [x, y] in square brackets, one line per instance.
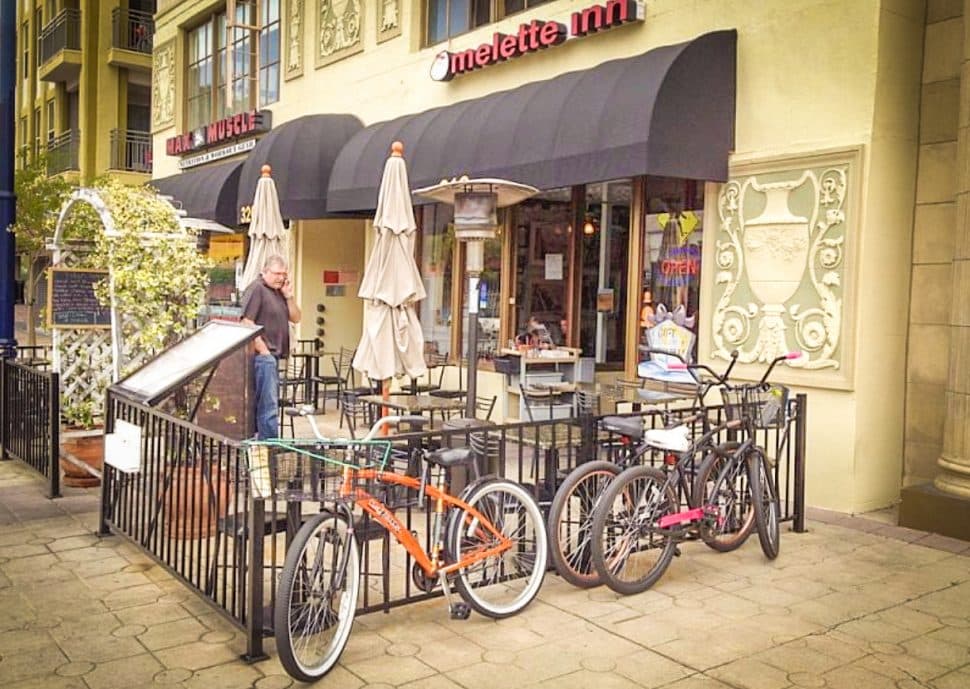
[852, 604]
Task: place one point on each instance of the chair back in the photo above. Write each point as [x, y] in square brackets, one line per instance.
[486, 447]
[355, 411]
[533, 398]
[484, 407]
[586, 402]
[342, 364]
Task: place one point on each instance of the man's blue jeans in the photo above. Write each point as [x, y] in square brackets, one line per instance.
[267, 380]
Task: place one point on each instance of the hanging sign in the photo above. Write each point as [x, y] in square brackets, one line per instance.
[534, 36]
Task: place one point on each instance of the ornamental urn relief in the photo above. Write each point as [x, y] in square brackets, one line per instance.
[775, 245]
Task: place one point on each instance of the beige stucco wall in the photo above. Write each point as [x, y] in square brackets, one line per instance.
[329, 245]
[812, 75]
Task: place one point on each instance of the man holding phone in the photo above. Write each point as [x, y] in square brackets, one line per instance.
[269, 302]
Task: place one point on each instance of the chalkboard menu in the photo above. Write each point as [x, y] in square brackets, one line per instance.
[71, 302]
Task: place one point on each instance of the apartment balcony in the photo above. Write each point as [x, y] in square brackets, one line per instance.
[131, 151]
[132, 35]
[62, 153]
[59, 47]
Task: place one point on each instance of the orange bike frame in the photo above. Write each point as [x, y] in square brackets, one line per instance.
[385, 517]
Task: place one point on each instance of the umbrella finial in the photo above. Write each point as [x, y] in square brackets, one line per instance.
[397, 149]
[266, 170]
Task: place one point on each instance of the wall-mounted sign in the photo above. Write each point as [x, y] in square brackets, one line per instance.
[536, 35]
[227, 129]
[218, 154]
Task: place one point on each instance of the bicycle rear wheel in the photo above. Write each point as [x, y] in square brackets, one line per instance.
[570, 522]
[767, 509]
[630, 551]
[317, 597]
[500, 584]
[722, 482]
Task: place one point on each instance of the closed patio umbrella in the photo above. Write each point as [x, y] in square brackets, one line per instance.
[266, 228]
[392, 343]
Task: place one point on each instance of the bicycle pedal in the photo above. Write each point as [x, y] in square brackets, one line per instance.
[460, 611]
[676, 551]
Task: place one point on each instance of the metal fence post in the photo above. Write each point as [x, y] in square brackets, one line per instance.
[54, 433]
[254, 584]
[106, 472]
[800, 433]
[3, 408]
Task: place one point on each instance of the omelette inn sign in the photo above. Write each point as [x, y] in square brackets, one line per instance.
[535, 36]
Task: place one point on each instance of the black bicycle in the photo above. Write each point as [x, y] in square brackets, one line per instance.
[639, 520]
[714, 480]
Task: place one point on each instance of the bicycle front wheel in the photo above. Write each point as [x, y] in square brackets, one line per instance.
[767, 510]
[722, 483]
[317, 597]
[503, 583]
[571, 521]
[630, 551]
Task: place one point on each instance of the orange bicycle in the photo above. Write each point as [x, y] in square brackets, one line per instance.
[490, 541]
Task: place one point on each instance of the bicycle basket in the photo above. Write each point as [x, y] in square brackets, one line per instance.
[311, 469]
[763, 406]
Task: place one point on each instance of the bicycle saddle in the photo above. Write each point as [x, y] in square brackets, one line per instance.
[451, 457]
[631, 428]
[676, 439]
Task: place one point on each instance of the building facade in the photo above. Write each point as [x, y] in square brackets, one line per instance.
[83, 97]
[745, 169]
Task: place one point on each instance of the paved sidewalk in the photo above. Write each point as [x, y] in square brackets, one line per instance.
[853, 604]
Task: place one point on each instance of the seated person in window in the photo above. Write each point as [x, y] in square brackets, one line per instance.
[536, 334]
[558, 331]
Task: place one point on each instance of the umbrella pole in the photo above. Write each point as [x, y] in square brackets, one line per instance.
[385, 395]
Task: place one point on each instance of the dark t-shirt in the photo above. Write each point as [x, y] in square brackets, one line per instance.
[266, 306]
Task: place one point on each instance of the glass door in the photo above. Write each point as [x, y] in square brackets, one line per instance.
[605, 236]
[543, 249]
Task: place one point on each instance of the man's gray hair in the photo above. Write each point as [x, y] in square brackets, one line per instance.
[274, 261]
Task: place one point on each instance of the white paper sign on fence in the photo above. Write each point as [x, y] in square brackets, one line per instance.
[122, 449]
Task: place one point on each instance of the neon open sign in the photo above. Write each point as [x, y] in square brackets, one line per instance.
[535, 36]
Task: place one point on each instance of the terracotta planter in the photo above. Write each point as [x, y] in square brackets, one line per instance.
[89, 449]
[194, 502]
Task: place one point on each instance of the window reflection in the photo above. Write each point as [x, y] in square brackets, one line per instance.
[437, 249]
[673, 238]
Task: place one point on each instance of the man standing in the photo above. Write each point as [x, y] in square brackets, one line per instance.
[269, 302]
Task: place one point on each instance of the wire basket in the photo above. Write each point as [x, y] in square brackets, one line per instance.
[297, 470]
[765, 406]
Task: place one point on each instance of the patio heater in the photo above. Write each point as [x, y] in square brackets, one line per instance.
[475, 202]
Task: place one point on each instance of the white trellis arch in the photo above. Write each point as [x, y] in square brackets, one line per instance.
[88, 360]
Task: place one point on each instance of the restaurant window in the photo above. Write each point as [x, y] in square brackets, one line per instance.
[208, 69]
[436, 256]
[673, 231]
[543, 249]
[489, 315]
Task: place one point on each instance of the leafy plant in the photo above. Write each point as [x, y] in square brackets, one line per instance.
[158, 277]
[39, 199]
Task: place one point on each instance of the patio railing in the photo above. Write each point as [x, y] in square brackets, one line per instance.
[131, 150]
[63, 32]
[30, 419]
[189, 506]
[132, 30]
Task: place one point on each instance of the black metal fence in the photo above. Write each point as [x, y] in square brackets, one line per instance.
[131, 150]
[63, 32]
[189, 504]
[62, 152]
[132, 30]
[30, 419]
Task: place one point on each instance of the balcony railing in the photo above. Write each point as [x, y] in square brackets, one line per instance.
[62, 152]
[132, 30]
[131, 150]
[62, 33]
